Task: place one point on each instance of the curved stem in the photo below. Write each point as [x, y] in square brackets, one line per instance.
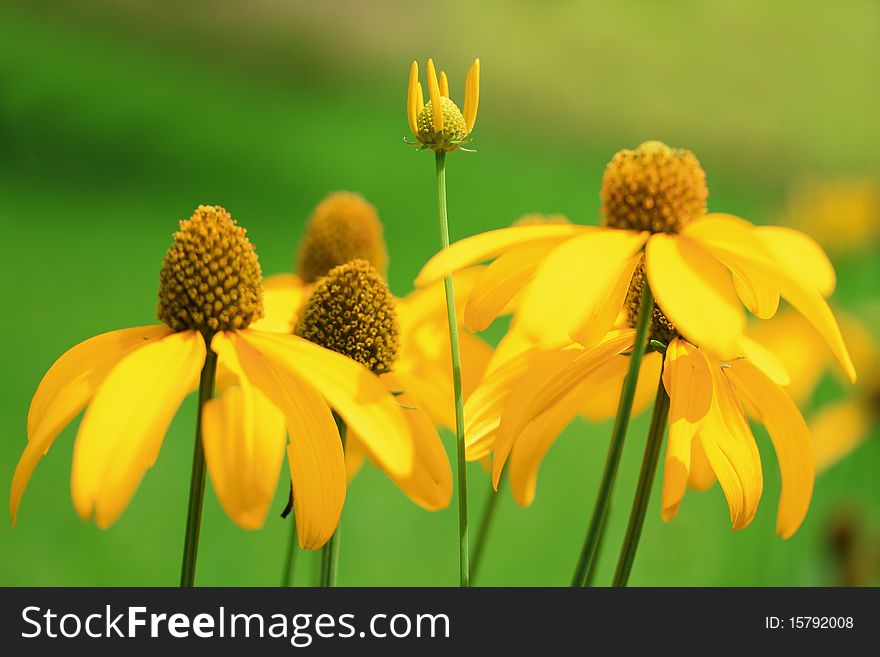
[290, 558]
[330, 551]
[618, 435]
[590, 578]
[486, 524]
[643, 490]
[197, 479]
[464, 573]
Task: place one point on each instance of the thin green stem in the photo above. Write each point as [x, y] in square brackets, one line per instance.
[464, 573]
[330, 552]
[643, 490]
[594, 562]
[290, 558]
[486, 524]
[197, 479]
[618, 436]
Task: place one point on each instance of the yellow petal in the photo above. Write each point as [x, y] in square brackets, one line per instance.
[355, 454]
[701, 476]
[65, 390]
[502, 280]
[801, 255]
[765, 360]
[687, 378]
[695, 292]
[412, 99]
[434, 93]
[351, 389]
[444, 84]
[791, 440]
[603, 314]
[317, 465]
[608, 381]
[120, 436]
[737, 244]
[574, 279]
[837, 430]
[485, 246]
[420, 99]
[548, 380]
[536, 438]
[283, 296]
[472, 95]
[244, 438]
[430, 483]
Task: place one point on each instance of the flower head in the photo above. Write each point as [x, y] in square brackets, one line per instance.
[132, 381]
[343, 227]
[440, 125]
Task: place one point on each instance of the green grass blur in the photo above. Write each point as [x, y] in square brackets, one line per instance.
[116, 120]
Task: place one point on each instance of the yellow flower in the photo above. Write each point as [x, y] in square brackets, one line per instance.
[537, 393]
[133, 380]
[573, 281]
[441, 125]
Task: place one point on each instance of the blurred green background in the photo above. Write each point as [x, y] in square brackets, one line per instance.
[118, 118]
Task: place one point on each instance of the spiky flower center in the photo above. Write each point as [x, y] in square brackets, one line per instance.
[454, 126]
[351, 311]
[654, 188]
[661, 328]
[343, 227]
[211, 279]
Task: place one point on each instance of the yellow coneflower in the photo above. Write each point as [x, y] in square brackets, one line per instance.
[657, 241]
[440, 126]
[133, 380]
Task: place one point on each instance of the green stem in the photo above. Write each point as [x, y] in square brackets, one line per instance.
[618, 435]
[486, 524]
[594, 562]
[197, 479]
[464, 573]
[330, 552]
[290, 559]
[643, 490]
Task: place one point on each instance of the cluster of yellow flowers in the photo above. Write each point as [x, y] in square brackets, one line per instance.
[329, 367]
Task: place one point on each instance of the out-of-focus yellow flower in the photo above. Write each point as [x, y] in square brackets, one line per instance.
[840, 426]
[575, 280]
[133, 381]
[422, 374]
[441, 125]
[842, 215]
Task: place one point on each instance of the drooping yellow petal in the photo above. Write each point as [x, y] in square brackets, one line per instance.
[244, 438]
[701, 476]
[687, 378]
[66, 389]
[791, 440]
[483, 409]
[351, 389]
[735, 243]
[430, 483]
[472, 95]
[485, 246]
[695, 292]
[573, 280]
[548, 380]
[536, 438]
[283, 296]
[120, 436]
[801, 255]
[444, 84]
[608, 381]
[502, 280]
[413, 94]
[355, 454]
[837, 430]
[765, 360]
[732, 452]
[317, 465]
[606, 309]
[434, 93]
